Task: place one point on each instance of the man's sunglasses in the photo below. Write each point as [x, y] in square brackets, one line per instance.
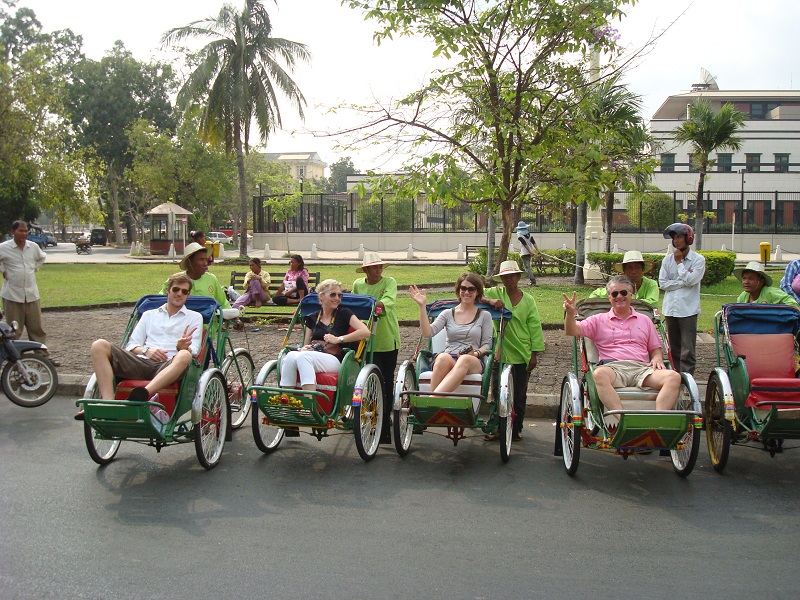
[180, 290]
[622, 293]
[467, 290]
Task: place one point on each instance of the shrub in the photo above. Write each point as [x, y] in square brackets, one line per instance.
[657, 210]
[478, 265]
[719, 265]
[397, 214]
[605, 261]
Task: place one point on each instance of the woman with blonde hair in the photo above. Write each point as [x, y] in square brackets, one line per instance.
[327, 332]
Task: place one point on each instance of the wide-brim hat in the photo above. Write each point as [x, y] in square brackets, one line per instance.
[191, 249]
[633, 256]
[756, 266]
[508, 267]
[371, 259]
[522, 226]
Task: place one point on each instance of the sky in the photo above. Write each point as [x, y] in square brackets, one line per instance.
[746, 45]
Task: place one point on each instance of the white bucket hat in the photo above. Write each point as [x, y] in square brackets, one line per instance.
[191, 249]
[755, 266]
[522, 226]
[508, 267]
[371, 259]
[633, 256]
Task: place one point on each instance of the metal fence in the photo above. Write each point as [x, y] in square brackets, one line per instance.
[741, 212]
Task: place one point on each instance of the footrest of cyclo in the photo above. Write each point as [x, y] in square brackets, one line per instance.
[293, 407]
[447, 411]
[647, 430]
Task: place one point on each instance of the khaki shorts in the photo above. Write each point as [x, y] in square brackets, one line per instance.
[127, 365]
[629, 373]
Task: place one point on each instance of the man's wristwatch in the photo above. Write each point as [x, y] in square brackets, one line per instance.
[144, 350]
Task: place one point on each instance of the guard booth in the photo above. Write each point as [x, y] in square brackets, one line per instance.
[168, 227]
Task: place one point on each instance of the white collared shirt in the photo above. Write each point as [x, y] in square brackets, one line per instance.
[681, 284]
[156, 329]
[19, 266]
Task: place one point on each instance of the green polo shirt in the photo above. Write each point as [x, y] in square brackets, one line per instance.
[523, 333]
[387, 334]
[769, 295]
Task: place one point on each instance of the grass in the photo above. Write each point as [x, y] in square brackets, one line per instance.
[80, 285]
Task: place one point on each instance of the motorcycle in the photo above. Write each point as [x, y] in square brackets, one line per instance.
[28, 378]
[82, 246]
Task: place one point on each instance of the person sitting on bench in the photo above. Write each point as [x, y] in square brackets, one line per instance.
[628, 346]
[256, 286]
[159, 349]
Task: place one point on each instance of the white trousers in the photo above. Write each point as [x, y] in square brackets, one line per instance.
[306, 364]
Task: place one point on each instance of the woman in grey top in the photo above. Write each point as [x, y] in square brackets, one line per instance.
[469, 334]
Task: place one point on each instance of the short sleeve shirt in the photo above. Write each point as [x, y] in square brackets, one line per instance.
[632, 338]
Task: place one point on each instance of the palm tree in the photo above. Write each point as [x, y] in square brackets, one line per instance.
[625, 143]
[708, 132]
[237, 79]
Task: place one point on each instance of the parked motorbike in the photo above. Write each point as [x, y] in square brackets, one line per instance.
[82, 246]
[28, 378]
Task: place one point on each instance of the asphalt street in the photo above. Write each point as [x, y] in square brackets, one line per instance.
[312, 520]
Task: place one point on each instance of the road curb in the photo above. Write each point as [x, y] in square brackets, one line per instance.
[72, 385]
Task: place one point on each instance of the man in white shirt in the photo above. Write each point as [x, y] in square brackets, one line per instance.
[19, 261]
[160, 348]
[680, 277]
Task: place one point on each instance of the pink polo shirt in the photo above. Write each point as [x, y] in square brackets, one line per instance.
[632, 338]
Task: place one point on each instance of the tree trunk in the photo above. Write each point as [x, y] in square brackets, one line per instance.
[113, 188]
[490, 233]
[609, 196]
[699, 216]
[508, 227]
[580, 242]
[242, 186]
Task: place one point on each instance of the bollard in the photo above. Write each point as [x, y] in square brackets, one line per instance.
[410, 251]
[615, 250]
[313, 252]
[361, 252]
[221, 252]
[778, 253]
[171, 253]
[563, 246]
[460, 254]
[723, 248]
[267, 255]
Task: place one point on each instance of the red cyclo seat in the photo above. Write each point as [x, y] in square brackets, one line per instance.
[166, 396]
[773, 390]
[326, 383]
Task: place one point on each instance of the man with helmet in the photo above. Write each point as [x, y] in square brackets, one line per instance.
[679, 278]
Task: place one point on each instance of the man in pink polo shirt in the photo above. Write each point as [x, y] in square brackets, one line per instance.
[628, 346]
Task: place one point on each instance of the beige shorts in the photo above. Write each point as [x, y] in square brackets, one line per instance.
[629, 373]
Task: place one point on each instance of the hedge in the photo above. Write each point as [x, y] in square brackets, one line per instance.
[719, 265]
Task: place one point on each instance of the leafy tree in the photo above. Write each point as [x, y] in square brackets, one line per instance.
[707, 132]
[498, 108]
[337, 182]
[397, 214]
[655, 209]
[237, 80]
[280, 192]
[103, 101]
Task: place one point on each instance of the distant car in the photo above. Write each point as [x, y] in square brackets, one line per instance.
[98, 237]
[218, 236]
[49, 239]
[36, 235]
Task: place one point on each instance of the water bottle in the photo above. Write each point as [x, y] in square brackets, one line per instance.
[158, 415]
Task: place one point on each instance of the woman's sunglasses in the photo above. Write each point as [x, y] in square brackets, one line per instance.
[622, 293]
[467, 290]
[335, 294]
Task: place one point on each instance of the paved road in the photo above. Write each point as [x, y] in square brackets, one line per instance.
[312, 520]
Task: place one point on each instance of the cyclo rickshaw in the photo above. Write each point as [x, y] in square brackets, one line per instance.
[350, 400]
[201, 406]
[641, 428]
[755, 395]
[415, 410]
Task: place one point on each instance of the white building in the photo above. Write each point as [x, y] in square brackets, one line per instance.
[300, 165]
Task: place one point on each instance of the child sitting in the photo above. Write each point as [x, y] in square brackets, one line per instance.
[256, 286]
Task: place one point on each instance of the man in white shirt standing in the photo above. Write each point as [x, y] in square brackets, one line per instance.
[19, 261]
[680, 277]
[159, 349]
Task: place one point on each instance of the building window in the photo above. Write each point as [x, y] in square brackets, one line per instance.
[759, 110]
[692, 166]
[667, 163]
[753, 162]
[301, 172]
[724, 162]
[781, 163]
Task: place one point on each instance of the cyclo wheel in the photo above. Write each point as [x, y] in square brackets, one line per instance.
[40, 385]
[507, 422]
[403, 431]
[102, 451]
[239, 370]
[718, 428]
[684, 460]
[267, 437]
[569, 431]
[368, 411]
[209, 433]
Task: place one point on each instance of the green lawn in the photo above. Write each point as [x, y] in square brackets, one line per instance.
[79, 285]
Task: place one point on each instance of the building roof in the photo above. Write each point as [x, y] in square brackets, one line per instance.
[674, 107]
[303, 157]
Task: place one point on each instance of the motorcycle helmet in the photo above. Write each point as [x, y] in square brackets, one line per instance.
[680, 228]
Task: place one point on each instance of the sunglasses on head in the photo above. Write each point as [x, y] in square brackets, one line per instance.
[622, 293]
[467, 290]
[180, 290]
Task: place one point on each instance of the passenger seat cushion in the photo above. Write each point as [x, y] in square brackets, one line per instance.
[166, 396]
[767, 355]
